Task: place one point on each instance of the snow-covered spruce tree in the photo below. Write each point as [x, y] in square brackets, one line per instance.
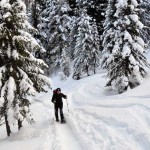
[96, 53]
[46, 15]
[65, 63]
[123, 48]
[145, 19]
[96, 10]
[73, 6]
[58, 32]
[21, 73]
[73, 27]
[73, 35]
[43, 25]
[86, 47]
[37, 7]
[27, 3]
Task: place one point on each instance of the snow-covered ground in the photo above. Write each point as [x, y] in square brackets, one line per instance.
[97, 119]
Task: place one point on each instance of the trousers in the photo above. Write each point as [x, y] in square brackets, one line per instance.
[60, 108]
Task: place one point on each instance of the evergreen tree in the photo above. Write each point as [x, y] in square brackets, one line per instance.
[58, 32]
[21, 73]
[65, 63]
[73, 6]
[86, 47]
[73, 36]
[96, 10]
[37, 7]
[96, 54]
[43, 24]
[73, 27]
[44, 28]
[27, 3]
[123, 48]
[145, 18]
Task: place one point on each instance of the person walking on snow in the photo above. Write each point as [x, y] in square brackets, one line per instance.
[58, 104]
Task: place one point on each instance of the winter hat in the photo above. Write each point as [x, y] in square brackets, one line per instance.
[58, 89]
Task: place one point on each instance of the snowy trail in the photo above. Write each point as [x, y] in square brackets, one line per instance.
[66, 138]
[61, 135]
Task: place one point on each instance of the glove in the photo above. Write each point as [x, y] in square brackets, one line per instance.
[54, 102]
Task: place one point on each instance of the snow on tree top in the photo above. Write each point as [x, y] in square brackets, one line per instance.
[126, 51]
[5, 4]
[127, 36]
[134, 2]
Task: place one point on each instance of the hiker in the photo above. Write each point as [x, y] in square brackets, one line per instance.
[58, 104]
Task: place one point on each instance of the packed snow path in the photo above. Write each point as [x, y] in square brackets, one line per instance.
[59, 136]
[66, 138]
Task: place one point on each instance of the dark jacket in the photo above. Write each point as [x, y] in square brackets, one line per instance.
[57, 98]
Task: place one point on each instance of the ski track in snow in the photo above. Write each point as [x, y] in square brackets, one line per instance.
[110, 132]
[59, 136]
[66, 138]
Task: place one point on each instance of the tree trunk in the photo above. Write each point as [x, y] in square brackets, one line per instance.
[7, 125]
[87, 70]
[19, 124]
[78, 76]
[94, 65]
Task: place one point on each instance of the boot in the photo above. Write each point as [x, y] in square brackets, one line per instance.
[63, 121]
[57, 119]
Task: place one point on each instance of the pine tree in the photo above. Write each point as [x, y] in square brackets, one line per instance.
[44, 28]
[96, 53]
[86, 47]
[65, 63]
[58, 32]
[145, 19]
[73, 36]
[96, 10]
[73, 6]
[27, 3]
[73, 27]
[21, 73]
[123, 48]
[43, 24]
[37, 7]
